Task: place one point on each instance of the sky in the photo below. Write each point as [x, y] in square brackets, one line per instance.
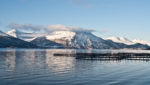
[122, 18]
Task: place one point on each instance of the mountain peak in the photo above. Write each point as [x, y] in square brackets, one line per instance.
[13, 32]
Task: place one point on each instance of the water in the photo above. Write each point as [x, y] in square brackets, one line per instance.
[40, 67]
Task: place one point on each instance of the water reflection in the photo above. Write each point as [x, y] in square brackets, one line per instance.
[10, 60]
[28, 59]
[59, 63]
[39, 66]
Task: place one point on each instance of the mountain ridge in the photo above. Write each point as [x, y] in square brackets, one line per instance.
[76, 40]
[127, 41]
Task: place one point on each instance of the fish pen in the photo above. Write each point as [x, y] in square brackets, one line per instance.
[108, 56]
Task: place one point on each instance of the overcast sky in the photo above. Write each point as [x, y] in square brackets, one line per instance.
[127, 18]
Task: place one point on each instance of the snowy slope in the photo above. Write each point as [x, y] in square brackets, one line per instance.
[120, 40]
[88, 40]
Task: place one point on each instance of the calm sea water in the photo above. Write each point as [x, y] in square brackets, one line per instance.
[40, 67]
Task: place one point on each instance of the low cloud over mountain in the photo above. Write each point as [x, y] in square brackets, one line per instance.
[47, 29]
[29, 27]
[59, 27]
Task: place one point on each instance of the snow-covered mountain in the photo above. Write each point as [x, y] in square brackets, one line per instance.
[75, 39]
[127, 41]
[24, 35]
[85, 40]
[141, 42]
[7, 41]
[121, 40]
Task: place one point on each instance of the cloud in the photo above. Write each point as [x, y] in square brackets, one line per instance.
[47, 29]
[29, 27]
[59, 27]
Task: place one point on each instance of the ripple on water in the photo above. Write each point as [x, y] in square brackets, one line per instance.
[40, 67]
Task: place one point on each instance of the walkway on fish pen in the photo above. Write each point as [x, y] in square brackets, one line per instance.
[109, 56]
